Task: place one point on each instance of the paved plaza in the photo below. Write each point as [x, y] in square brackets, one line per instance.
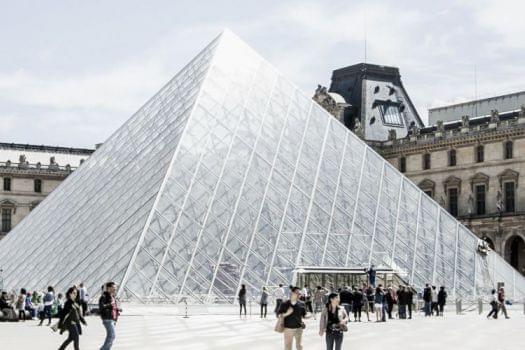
[159, 328]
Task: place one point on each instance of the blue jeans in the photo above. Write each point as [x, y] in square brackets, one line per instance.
[428, 309]
[110, 334]
[334, 340]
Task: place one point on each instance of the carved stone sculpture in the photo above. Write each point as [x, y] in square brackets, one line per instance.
[465, 121]
[440, 126]
[392, 135]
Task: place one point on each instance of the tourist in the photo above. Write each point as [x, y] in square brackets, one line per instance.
[434, 305]
[6, 307]
[264, 302]
[242, 300]
[409, 300]
[402, 302]
[49, 299]
[29, 306]
[70, 320]
[378, 303]
[346, 299]
[495, 305]
[333, 322]
[357, 304]
[427, 298]
[279, 295]
[318, 300]
[21, 304]
[369, 302]
[83, 298]
[307, 295]
[371, 272]
[390, 300]
[293, 311]
[109, 313]
[501, 300]
[442, 300]
[59, 303]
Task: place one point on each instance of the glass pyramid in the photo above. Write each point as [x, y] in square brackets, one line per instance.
[231, 175]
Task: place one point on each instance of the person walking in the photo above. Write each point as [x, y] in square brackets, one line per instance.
[402, 302]
[494, 303]
[346, 299]
[318, 300]
[279, 295]
[242, 300]
[333, 322]
[434, 304]
[70, 320]
[293, 311]
[83, 297]
[427, 298]
[307, 295]
[368, 300]
[409, 300]
[442, 300]
[21, 304]
[390, 300]
[109, 313]
[264, 302]
[501, 300]
[357, 304]
[49, 299]
[378, 303]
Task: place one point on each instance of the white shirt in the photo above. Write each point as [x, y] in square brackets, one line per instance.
[83, 294]
[279, 293]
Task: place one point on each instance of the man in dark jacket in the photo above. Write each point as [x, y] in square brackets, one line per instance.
[427, 298]
[409, 300]
[109, 313]
[345, 298]
[442, 300]
[402, 302]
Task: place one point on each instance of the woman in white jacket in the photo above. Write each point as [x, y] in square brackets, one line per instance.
[333, 322]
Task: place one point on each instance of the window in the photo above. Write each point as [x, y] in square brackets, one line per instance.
[452, 157]
[6, 220]
[508, 150]
[38, 185]
[480, 154]
[509, 197]
[480, 199]
[402, 164]
[426, 161]
[453, 201]
[428, 193]
[7, 184]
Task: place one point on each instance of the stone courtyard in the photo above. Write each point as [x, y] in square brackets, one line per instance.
[162, 328]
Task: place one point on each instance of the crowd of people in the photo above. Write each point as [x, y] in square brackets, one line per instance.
[69, 309]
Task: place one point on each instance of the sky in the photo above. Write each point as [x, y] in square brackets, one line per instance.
[71, 72]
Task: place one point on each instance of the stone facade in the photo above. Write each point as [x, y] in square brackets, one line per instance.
[483, 154]
[28, 173]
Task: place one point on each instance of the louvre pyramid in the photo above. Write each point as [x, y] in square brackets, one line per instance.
[231, 175]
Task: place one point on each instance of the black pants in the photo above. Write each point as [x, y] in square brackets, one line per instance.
[494, 311]
[409, 310]
[21, 315]
[434, 307]
[308, 305]
[389, 309]
[278, 303]
[84, 306]
[357, 312]
[241, 306]
[334, 339]
[264, 310]
[441, 309]
[73, 337]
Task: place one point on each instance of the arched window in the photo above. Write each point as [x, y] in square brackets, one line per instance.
[508, 150]
[452, 157]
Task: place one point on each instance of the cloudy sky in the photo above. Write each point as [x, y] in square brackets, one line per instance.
[72, 72]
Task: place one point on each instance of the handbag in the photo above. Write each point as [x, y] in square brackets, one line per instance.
[279, 325]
